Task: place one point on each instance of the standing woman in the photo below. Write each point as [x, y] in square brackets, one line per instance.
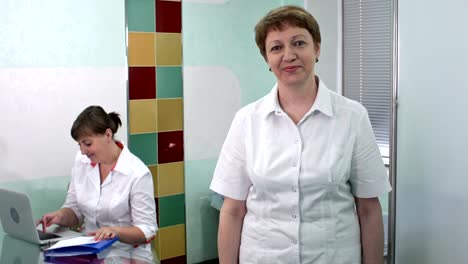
[300, 169]
[111, 190]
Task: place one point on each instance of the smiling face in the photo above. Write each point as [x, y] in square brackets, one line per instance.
[95, 147]
[291, 54]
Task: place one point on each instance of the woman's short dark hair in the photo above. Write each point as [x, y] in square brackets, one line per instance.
[94, 121]
[283, 16]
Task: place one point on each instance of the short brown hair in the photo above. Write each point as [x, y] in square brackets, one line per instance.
[94, 121]
[283, 16]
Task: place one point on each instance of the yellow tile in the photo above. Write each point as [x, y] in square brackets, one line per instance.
[170, 114]
[168, 49]
[156, 251]
[141, 49]
[172, 241]
[154, 173]
[171, 178]
[143, 116]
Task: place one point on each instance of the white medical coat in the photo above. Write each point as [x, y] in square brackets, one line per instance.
[125, 198]
[299, 181]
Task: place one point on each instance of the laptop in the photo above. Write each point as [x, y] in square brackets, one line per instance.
[18, 221]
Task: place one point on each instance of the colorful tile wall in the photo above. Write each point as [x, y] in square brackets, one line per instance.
[169, 82]
[154, 173]
[173, 205]
[171, 242]
[168, 16]
[170, 114]
[170, 148]
[141, 49]
[176, 260]
[142, 82]
[144, 146]
[156, 114]
[171, 179]
[143, 116]
[168, 49]
[140, 16]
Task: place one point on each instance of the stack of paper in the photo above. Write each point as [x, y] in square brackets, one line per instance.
[77, 246]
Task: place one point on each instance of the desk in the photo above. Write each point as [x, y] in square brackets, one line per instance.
[15, 251]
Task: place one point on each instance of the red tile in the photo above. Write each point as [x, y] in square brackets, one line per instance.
[168, 16]
[142, 82]
[170, 146]
[176, 260]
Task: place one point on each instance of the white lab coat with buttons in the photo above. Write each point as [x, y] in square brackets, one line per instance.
[299, 181]
[125, 198]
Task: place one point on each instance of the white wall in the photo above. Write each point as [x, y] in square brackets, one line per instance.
[432, 148]
[57, 57]
[328, 15]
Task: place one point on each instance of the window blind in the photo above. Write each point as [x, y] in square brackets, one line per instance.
[367, 61]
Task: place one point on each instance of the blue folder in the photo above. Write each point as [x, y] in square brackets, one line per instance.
[84, 259]
[85, 249]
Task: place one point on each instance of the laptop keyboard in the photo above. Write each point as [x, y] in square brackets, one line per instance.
[45, 236]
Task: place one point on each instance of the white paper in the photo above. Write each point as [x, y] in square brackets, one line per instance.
[81, 240]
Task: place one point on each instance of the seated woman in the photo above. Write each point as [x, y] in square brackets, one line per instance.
[111, 190]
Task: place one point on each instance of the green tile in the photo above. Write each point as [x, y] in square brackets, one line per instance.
[141, 15]
[211, 261]
[169, 82]
[145, 146]
[171, 210]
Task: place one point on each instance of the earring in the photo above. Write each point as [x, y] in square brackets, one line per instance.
[316, 60]
[269, 69]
